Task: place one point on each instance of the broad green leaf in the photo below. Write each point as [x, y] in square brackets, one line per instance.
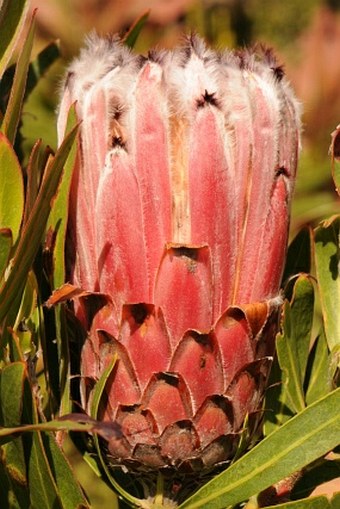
[6, 243]
[133, 34]
[11, 393]
[8, 498]
[12, 454]
[11, 188]
[293, 345]
[304, 438]
[327, 258]
[320, 379]
[12, 115]
[302, 321]
[12, 17]
[34, 229]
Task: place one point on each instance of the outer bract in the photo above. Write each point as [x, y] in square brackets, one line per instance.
[179, 216]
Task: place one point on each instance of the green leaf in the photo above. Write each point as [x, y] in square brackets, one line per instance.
[335, 157]
[13, 111]
[320, 376]
[11, 189]
[43, 489]
[12, 17]
[12, 454]
[56, 226]
[6, 243]
[97, 396]
[11, 393]
[304, 438]
[40, 65]
[34, 229]
[68, 488]
[293, 344]
[133, 34]
[58, 218]
[327, 258]
[298, 255]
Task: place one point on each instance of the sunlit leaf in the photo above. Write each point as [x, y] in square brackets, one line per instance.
[327, 257]
[11, 189]
[304, 438]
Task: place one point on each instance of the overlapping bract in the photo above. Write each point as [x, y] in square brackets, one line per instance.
[179, 214]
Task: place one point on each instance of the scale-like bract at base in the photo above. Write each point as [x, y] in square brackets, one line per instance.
[179, 215]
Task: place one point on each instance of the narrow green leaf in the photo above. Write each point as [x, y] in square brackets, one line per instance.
[55, 425]
[43, 489]
[335, 157]
[58, 218]
[327, 258]
[34, 229]
[13, 111]
[306, 437]
[133, 34]
[100, 387]
[97, 396]
[36, 164]
[6, 243]
[12, 17]
[11, 188]
[68, 488]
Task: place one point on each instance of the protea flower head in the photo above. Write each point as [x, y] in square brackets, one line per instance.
[179, 213]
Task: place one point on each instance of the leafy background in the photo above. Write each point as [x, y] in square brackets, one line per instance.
[306, 37]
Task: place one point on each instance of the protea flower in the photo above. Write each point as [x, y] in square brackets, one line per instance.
[179, 213]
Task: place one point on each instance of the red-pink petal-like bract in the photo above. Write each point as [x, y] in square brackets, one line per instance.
[179, 215]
